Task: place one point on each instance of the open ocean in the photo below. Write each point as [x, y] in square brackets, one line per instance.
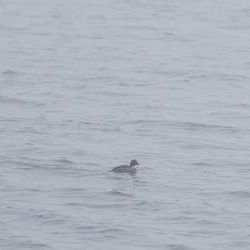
[86, 85]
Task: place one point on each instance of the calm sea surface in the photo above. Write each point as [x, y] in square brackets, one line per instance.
[86, 85]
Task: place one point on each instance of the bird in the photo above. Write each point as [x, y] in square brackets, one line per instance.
[129, 169]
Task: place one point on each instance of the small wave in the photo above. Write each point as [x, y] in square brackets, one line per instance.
[91, 164]
[119, 193]
[24, 165]
[18, 101]
[33, 245]
[96, 229]
[74, 204]
[186, 125]
[218, 75]
[182, 218]
[64, 161]
[9, 72]
[142, 203]
[50, 218]
[178, 247]
[207, 222]
[72, 189]
[203, 126]
[202, 164]
[239, 194]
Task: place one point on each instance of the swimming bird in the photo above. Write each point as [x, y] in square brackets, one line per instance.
[129, 169]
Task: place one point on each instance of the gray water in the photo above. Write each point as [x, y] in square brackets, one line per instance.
[89, 85]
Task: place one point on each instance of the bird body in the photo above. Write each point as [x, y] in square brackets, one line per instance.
[130, 169]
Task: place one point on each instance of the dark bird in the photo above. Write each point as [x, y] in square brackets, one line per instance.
[129, 169]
